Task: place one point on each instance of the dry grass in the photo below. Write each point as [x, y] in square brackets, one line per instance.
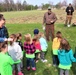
[35, 16]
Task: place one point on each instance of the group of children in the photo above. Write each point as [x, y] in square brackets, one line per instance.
[35, 48]
[12, 50]
[62, 54]
[10, 55]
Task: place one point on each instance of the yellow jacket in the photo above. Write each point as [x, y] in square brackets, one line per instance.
[56, 43]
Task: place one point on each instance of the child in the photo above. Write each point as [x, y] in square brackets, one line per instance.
[6, 61]
[30, 52]
[19, 38]
[36, 32]
[55, 47]
[37, 46]
[65, 55]
[44, 46]
[14, 50]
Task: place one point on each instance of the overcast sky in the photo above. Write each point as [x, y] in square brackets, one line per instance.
[39, 2]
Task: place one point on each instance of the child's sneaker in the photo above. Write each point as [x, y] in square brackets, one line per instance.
[68, 25]
[42, 60]
[36, 61]
[28, 68]
[33, 68]
[20, 73]
[54, 65]
[45, 60]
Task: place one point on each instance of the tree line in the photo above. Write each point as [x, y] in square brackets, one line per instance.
[10, 5]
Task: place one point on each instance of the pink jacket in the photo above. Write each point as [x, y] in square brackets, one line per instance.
[37, 45]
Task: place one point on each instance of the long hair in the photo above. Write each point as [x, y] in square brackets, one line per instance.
[64, 44]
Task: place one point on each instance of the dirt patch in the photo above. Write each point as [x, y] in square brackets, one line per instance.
[37, 17]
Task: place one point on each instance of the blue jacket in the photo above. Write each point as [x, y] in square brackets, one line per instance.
[2, 34]
[66, 58]
[43, 43]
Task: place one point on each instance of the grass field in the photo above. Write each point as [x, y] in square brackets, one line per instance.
[26, 21]
[35, 16]
[46, 68]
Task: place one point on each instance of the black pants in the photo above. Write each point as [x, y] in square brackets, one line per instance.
[42, 55]
[55, 60]
[37, 56]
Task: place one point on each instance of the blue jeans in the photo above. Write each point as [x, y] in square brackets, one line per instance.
[30, 61]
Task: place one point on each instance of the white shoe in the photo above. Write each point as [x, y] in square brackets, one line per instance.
[54, 65]
[44, 60]
[68, 25]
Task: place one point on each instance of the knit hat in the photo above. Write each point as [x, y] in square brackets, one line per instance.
[36, 31]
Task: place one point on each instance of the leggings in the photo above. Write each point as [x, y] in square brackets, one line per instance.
[64, 72]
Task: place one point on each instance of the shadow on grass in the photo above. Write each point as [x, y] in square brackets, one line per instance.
[47, 72]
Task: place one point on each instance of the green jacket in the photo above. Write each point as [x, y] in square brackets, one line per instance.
[6, 63]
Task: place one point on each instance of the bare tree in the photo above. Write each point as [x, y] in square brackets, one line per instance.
[6, 3]
[24, 5]
[51, 4]
[74, 4]
[64, 3]
[12, 5]
[19, 5]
